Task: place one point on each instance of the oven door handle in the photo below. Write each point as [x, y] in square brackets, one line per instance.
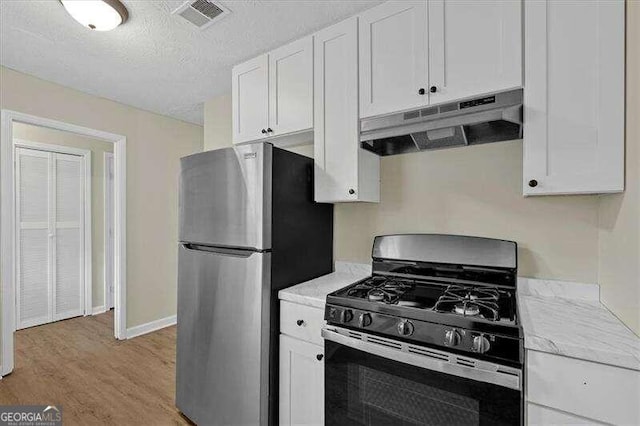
[434, 360]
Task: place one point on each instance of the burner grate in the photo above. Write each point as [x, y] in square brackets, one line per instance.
[380, 289]
[470, 301]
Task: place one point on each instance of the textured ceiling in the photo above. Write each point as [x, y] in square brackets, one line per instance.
[156, 61]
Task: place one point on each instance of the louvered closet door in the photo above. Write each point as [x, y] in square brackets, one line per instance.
[33, 240]
[68, 268]
[50, 237]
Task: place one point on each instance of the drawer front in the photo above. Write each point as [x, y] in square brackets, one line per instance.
[587, 389]
[537, 415]
[302, 322]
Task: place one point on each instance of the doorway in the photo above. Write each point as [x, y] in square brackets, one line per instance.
[8, 234]
[53, 232]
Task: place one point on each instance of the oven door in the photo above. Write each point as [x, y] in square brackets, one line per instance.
[376, 381]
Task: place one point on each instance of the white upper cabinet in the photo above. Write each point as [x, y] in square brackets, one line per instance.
[393, 57]
[291, 87]
[416, 53]
[574, 97]
[273, 94]
[250, 102]
[475, 47]
[343, 170]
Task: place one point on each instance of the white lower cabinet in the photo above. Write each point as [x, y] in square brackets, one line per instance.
[301, 376]
[560, 389]
[301, 382]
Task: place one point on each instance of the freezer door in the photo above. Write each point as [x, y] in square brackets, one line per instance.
[223, 336]
[225, 197]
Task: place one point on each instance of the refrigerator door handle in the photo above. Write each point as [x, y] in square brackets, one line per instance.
[222, 250]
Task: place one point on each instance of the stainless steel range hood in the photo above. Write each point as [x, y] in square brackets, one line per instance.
[494, 117]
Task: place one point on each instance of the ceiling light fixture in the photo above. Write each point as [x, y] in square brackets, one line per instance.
[99, 15]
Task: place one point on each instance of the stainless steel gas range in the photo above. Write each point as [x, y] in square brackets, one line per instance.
[431, 338]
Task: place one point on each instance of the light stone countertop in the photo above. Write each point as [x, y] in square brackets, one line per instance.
[314, 292]
[568, 319]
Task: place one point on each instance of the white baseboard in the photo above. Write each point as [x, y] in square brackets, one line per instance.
[98, 310]
[141, 329]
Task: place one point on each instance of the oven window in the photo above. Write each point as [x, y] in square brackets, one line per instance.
[365, 389]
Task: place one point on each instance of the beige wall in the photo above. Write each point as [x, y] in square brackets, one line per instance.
[154, 145]
[97, 148]
[619, 259]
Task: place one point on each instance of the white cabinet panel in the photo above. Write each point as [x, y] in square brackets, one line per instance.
[301, 382]
[291, 87]
[250, 99]
[537, 415]
[587, 389]
[574, 97]
[475, 47]
[343, 171]
[393, 57]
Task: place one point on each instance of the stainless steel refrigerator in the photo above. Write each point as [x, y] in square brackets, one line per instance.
[248, 228]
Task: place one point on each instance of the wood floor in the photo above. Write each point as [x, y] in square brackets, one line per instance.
[77, 364]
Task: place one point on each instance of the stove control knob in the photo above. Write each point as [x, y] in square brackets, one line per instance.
[405, 328]
[364, 320]
[346, 316]
[480, 344]
[451, 338]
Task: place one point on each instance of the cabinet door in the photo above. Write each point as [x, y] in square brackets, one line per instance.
[301, 382]
[336, 133]
[291, 87]
[574, 97]
[250, 99]
[475, 47]
[393, 57]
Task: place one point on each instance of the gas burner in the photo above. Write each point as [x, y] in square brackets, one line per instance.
[470, 301]
[470, 310]
[380, 289]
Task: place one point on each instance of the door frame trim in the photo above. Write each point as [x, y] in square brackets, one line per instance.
[108, 211]
[86, 203]
[7, 223]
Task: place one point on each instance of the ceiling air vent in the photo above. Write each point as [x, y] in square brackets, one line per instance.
[201, 13]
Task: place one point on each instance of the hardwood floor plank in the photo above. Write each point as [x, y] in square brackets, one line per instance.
[78, 364]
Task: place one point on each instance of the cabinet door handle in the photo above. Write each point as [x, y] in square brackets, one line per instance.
[319, 357]
[351, 191]
[433, 89]
[300, 322]
[269, 130]
[533, 183]
[421, 91]
[263, 131]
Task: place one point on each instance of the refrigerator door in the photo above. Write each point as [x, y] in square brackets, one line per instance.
[225, 197]
[223, 336]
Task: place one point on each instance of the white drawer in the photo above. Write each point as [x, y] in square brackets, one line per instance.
[587, 389]
[302, 322]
